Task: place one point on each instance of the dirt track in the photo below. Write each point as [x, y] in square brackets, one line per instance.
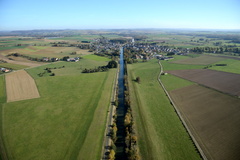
[221, 81]
[20, 86]
[214, 119]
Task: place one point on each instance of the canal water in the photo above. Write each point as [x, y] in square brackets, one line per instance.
[121, 111]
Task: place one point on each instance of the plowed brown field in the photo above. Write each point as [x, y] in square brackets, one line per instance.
[20, 86]
[214, 119]
[221, 81]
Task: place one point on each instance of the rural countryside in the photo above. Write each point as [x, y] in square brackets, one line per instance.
[146, 80]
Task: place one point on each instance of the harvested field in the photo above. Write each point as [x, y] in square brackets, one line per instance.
[26, 63]
[46, 51]
[222, 81]
[201, 60]
[213, 118]
[20, 86]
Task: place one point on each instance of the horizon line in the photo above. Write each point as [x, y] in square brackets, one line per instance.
[56, 29]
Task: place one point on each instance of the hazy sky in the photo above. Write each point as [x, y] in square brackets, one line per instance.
[111, 14]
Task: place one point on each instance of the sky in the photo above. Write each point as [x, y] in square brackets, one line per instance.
[119, 14]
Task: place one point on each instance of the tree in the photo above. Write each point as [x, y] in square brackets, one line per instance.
[112, 155]
[138, 79]
[65, 58]
[112, 64]
[170, 54]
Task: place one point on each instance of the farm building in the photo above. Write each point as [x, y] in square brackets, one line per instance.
[5, 70]
[76, 59]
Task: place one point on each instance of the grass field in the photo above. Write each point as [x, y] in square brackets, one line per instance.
[172, 82]
[13, 66]
[70, 68]
[2, 101]
[201, 60]
[46, 51]
[66, 122]
[213, 118]
[233, 66]
[171, 65]
[96, 58]
[161, 134]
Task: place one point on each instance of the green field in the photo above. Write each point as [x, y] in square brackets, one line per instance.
[171, 65]
[96, 58]
[2, 101]
[233, 66]
[12, 47]
[70, 68]
[66, 122]
[161, 134]
[200, 60]
[172, 82]
[13, 66]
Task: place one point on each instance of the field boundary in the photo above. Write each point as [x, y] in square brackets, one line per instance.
[179, 114]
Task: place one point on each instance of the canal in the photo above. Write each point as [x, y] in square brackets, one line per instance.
[121, 111]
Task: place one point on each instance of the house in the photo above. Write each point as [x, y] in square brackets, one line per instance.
[45, 59]
[76, 59]
[4, 70]
[54, 59]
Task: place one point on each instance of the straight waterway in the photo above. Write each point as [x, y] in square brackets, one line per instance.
[121, 111]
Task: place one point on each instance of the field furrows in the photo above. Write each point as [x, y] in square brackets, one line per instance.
[221, 81]
[20, 86]
[214, 119]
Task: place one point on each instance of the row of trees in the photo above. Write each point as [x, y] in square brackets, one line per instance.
[215, 50]
[49, 70]
[32, 58]
[131, 149]
[111, 64]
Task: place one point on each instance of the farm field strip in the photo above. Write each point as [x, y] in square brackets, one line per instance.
[201, 60]
[3, 153]
[46, 51]
[153, 111]
[20, 86]
[232, 66]
[214, 119]
[221, 81]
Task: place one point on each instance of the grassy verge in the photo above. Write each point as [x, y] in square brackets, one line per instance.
[67, 122]
[161, 134]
